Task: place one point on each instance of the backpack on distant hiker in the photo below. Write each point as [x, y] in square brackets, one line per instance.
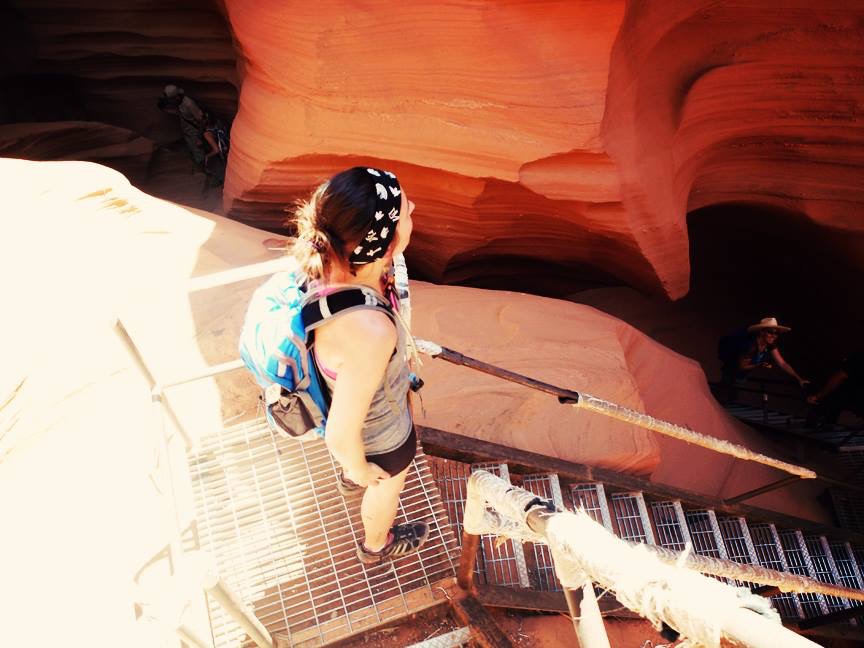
[276, 347]
[732, 346]
[223, 139]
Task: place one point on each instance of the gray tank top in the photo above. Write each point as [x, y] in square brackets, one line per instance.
[388, 422]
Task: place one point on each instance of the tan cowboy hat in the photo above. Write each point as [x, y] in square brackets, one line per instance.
[768, 323]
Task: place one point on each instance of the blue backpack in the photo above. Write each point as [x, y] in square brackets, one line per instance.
[223, 139]
[276, 344]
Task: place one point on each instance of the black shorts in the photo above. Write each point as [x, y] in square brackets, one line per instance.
[397, 460]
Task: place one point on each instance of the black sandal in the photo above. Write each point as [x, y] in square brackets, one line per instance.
[405, 539]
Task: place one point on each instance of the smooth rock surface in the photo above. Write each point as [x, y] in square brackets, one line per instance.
[577, 135]
[491, 116]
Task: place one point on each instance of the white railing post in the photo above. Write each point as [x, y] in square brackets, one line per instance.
[699, 608]
[581, 599]
[586, 617]
[204, 575]
[191, 638]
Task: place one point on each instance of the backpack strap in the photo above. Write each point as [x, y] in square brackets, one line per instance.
[319, 309]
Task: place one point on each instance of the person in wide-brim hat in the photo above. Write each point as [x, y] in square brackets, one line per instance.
[754, 349]
[175, 101]
[763, 351]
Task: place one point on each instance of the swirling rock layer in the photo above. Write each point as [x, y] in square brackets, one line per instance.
[562, 139]
[573, 134]
[491, 114]
[734, 102]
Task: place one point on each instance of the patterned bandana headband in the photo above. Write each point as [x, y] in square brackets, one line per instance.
[388, 203]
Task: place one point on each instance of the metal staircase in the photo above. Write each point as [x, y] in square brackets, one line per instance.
[640, 517]
[845, 442]
[283, 540]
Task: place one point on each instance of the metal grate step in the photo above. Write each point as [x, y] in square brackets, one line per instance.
[284, 539]
[541, 564]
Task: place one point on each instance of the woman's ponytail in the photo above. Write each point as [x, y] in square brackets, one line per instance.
[333, 221]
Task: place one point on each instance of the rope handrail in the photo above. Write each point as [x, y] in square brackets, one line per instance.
[700, 608]
[619, 412]
[784, 581]
[566, 396]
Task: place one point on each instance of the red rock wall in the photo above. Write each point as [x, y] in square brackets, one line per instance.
[569, 132]
[491, 113]
[742, 101]
[569, 136]
[554, 341]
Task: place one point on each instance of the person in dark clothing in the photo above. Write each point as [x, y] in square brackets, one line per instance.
[754, 349]
[175, 101]
[843, 391]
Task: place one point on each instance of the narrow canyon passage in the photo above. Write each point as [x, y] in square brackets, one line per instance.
[750, 262]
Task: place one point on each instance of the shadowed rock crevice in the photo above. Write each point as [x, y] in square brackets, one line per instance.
[81, 81]
[752, 261]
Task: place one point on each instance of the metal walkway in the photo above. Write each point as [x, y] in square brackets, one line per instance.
[846, 442]
[836, 435]
[284, 540]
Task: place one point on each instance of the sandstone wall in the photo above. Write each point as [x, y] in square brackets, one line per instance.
[80, 80]
[490, 113]
[577, 134]
[736, 102]
[563, 139]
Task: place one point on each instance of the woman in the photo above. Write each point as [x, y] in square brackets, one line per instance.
[763, 350]
[347, 235]
[756, 349]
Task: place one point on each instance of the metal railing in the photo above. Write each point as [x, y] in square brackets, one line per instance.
[195, 571]
[690, 604]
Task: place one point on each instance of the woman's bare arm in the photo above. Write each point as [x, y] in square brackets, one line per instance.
[785, 366]
[745, 363]
[363, 342]
[836, 379]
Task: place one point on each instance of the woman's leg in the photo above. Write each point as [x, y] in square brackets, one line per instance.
[378, 509]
